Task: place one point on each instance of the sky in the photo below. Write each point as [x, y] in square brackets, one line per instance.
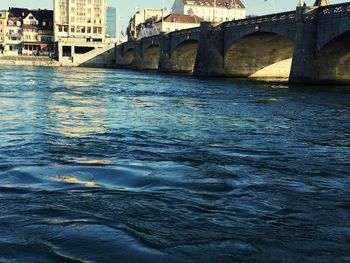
[126, 9]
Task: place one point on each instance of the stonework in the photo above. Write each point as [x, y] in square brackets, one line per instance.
[309, 45]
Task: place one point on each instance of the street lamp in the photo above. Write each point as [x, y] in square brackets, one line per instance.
[300, 2]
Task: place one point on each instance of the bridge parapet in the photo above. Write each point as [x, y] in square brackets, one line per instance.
[335, 10]
[279, 17]
[195, 30]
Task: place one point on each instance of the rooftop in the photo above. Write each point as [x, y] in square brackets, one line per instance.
[181, 18]
[219, 3]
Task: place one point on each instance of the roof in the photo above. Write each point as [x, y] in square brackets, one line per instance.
[18, 12]
[42, 15]
[321, 2]
[180, 18]
[219, 3]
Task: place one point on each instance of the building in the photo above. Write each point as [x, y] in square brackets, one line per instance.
[80, 32]
[175, 22]
[82, 20]
[217, 11]
[38, 32]
[3, 25]
[321, 2]
[111, 14]
[170, 23]
[140, 17]
[14, 36]
[28, 32]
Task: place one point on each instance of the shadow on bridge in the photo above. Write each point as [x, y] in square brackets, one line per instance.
[150, 58]
[183, 57]
[333, 60]
[128, 56]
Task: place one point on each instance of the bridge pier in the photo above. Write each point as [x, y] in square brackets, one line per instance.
[137, 56]
[309, 45]
[304, 55]
[164, 59]
[209, 61]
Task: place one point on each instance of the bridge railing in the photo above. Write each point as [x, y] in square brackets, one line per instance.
[335, 10]
[185, 31]
[279, 17]
[151, 38]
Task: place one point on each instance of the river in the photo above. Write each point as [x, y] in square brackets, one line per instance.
[120, 166]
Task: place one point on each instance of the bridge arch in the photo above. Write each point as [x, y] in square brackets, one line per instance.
[128, 55]
[259, 55]
[183, 55]
[151, 56]
[333, 60]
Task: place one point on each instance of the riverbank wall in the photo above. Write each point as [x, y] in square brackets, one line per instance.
[100, 57]
[28, 61]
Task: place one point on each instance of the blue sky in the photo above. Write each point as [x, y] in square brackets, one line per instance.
[127, 8]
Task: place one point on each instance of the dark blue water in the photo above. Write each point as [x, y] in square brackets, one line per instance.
[118, 166]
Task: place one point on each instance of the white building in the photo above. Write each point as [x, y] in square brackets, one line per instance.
[175, 22]
[13, 37]
[217, 11]
[80, 19]
[170, 23]
[140, 17]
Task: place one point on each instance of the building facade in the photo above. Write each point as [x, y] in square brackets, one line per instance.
[216, 11]
[140, 17]
[14, 36]
[38, 32]
[28, 32]
[3, 25]
[175, 22]
[82, 20]
[111, 14]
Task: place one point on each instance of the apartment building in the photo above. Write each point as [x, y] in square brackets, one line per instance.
[14, 37]
[38, 32]
[80, 20]
[216, 11]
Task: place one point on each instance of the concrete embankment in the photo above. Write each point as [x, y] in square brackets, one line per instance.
[99, 57]
[28, 61]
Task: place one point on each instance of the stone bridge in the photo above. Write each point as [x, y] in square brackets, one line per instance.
[308, 45]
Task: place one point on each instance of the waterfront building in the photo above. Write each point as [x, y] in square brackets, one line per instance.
[38, 32]
[14, 36]
[141, 17]
[28, 32]
[3, 25]
[217, 11]
[80, 31]
[80, 20]
[111, 14]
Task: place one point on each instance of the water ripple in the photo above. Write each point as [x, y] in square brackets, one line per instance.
[99, 165]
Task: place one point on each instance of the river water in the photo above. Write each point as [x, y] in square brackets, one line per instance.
[121, 166]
